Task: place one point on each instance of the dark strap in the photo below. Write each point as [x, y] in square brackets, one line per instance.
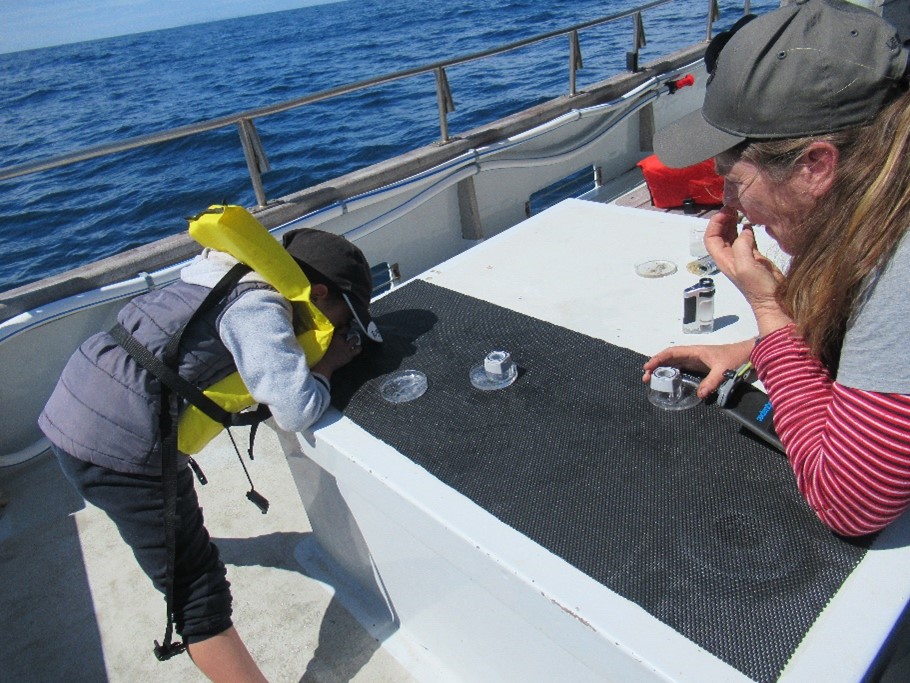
[217, 293]
[164, 369]
[185, 389]
[168, 377]
[167, 421]
[174, 386]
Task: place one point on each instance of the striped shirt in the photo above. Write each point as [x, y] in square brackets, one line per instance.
[849, 448]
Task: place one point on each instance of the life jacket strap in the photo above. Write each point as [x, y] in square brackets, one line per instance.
[168, 424]
[167, 376]
[174, 386]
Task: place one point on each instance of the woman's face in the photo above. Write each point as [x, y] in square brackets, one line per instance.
[782, 207]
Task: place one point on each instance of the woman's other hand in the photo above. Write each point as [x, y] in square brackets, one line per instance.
[710, 360]
[737, 256]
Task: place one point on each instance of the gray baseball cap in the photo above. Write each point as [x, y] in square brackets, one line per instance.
[808, 68]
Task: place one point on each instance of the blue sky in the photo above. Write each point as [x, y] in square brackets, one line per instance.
[26, 24]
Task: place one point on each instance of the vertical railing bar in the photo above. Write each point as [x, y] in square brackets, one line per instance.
[713, 15]
[637, 41]
[574, 62]
[247, 135]
[444, 102]
[262, 161]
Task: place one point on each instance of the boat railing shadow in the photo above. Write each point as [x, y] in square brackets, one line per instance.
[47, 605]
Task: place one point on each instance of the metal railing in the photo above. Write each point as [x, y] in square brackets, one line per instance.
[256, 159]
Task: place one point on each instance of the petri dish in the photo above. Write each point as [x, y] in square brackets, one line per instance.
[403, 386]
[657, 268]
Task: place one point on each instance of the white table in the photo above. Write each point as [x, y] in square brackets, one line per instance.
[457, 595]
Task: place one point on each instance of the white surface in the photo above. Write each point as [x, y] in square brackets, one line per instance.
[472, 599]
[574, 265]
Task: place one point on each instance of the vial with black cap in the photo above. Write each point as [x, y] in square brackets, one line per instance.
[698, 307]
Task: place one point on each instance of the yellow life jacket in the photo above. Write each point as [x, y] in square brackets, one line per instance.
[233, 230]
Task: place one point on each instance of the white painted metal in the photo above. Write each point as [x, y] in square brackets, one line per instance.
[472, 599]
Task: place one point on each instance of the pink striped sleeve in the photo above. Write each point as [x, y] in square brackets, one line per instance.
[849, 449]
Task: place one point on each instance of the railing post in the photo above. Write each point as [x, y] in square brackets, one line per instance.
[444, 101]
[256, 161]
[638, 41]
[713, 15]
[575, 61]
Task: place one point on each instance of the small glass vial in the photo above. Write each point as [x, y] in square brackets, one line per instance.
[698, 307]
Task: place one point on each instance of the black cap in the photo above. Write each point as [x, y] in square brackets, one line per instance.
[808, 68]
[340, 263]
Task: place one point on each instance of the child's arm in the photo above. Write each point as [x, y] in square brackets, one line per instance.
[258, 330]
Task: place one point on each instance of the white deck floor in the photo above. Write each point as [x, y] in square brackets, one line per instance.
[65, 621]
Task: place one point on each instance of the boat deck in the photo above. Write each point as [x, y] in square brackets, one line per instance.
[77, 608]
[75, 600]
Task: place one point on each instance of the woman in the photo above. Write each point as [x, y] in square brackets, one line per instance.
[808, 118]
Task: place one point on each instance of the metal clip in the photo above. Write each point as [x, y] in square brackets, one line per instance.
[200, 475]
[731, 381]
[258, 500]
[167, 650]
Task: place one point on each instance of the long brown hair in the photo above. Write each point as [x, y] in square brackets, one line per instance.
[853, 229]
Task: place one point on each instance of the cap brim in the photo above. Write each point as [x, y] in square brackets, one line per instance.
[690, 141]
[362, 320]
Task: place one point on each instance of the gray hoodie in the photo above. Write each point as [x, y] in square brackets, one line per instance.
[258, 330]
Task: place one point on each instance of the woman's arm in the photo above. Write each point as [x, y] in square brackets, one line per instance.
[849, 448]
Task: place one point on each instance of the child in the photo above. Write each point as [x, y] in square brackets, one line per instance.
[105, 416]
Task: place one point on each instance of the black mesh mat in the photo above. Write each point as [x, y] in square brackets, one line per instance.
[680, 512]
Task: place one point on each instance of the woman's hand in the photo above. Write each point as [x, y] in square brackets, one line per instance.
[737, 256]
[710, 359]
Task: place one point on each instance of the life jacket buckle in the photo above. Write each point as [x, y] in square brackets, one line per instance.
[258, 500]
[168, 650]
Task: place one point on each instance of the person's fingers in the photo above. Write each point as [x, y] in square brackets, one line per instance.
[710, 383]
[744, 246]
[688, 357]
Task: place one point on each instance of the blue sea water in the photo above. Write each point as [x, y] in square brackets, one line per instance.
[57, 100]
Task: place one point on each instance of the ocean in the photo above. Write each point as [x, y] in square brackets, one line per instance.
[60, 99]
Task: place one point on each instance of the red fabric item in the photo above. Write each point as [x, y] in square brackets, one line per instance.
[670, 187]
[849, 448]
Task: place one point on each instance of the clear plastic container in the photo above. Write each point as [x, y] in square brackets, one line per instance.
[403, 386]
[670, 389]
[497, 371]
[697, 239]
